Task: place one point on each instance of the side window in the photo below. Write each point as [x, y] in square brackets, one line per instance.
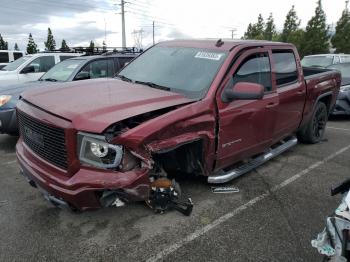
[4, 57]
[42, 64]
[64, 57]
[285, 66]
[255, 69]
[17, 55]
[336, 60]
[123, 60]
[110, 68]
[95, 69]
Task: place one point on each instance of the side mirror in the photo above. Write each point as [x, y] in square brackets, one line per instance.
[82, 76]
[28, 69]
[243, 91]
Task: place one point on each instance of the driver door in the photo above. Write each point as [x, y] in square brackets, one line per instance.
[246, 126]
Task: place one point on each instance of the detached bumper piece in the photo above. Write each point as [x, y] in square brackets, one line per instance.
[8, 121]
[165, 195]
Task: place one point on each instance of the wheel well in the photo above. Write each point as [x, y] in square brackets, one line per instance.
[187, 158]
[327, 101]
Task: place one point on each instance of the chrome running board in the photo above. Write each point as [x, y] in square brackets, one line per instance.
[224, 177]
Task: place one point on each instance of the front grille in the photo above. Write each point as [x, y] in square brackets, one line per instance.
[45, 140]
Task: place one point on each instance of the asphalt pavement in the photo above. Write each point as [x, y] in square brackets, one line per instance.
[280, 208]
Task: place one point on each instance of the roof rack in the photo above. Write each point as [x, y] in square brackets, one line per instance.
[107, 50]
[97, 50]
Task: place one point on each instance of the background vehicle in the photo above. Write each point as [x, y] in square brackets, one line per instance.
[200, 107]
[79, 68]
[31, 67]
[342, 105]
[7, 57]
[324, 60]
[333, 241]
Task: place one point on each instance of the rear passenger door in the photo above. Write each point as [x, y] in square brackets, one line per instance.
[291, 91]
[246, 126]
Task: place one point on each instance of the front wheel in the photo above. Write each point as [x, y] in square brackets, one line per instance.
[313, 132]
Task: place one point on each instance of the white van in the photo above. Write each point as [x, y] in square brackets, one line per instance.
[324, 60]
[31, 67]
[9, 56]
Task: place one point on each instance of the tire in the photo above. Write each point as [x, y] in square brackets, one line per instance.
[313, 132]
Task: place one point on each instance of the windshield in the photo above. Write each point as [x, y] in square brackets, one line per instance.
[62, 71]
[317, 61]
[345, 72]
[188, 71]
[15, 64]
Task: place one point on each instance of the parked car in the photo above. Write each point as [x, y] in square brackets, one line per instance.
[324, 60]
[79, 68]
[7, 57]
[342, 105]
[31, 67]
[196, 107]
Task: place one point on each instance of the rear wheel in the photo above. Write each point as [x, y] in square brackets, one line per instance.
[313, 132]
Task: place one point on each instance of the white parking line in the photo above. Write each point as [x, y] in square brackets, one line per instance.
[199, 232]
[10, 162]
[338, 128]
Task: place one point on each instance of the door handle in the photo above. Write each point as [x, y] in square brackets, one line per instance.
[270, 105]
[300, 92]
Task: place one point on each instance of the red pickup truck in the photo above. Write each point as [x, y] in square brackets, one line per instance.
[196, 107]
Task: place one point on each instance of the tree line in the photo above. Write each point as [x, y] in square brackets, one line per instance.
[314, 39]
[50, 44]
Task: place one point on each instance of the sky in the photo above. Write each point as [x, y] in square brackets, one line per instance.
[80, 21]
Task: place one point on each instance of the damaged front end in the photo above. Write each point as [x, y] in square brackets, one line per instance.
[108, 153]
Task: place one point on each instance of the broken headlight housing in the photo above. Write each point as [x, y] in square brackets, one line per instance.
[95, 151]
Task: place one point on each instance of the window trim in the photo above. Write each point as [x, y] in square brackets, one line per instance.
[286, 50]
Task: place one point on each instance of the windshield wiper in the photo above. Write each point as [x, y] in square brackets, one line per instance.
[49, 79]
[124, 78]
[153, 85]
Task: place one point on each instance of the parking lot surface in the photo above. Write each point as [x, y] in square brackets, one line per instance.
[281, 206]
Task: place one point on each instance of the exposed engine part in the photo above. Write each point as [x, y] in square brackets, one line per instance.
[165, 195]
[224, 189]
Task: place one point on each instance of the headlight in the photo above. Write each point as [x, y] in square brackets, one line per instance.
[345, 88]
[4, 99]
[95, 151]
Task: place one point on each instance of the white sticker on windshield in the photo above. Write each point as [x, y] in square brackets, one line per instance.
[208, 55]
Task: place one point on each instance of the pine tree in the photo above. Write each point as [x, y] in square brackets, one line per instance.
[16, 47]
[255, 31]
[3, 44]
[92, 45]
[316, 38]
[64, 46]
[341, 38]
[270, 29]
[50, 44]
[260, 26]
[291, 24]
[31, 47]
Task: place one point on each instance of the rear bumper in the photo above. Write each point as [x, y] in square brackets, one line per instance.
[8, 121]
[342, 105]
[84, 189]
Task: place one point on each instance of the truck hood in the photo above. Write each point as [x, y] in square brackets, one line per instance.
[93, 105]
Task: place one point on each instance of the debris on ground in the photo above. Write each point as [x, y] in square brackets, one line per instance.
[224, 189]
[165, 195]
